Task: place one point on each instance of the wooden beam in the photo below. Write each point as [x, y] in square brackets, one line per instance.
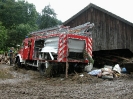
[67, 66]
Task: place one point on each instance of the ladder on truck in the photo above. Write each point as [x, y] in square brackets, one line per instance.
[83, 29]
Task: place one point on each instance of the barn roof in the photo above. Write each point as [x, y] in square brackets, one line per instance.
[98, 8]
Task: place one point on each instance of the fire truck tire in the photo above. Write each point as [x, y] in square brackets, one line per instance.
[17, 64]
[42, 69]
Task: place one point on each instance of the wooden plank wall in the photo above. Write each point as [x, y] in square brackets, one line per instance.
[109, 33]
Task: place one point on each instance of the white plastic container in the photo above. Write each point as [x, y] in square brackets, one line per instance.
[89, 67]
[117, 68]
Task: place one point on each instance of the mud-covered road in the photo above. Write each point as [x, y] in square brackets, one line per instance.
[27, 84]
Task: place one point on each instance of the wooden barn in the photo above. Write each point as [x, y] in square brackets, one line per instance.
[110, 31]
[112, 36]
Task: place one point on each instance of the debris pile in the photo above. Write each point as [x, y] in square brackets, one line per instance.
[4, 59]
[108, 72]
[123, 57]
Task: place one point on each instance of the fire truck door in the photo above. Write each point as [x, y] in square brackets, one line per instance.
[30, 49]
[25, 50]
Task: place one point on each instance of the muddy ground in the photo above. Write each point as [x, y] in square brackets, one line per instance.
[28, 84]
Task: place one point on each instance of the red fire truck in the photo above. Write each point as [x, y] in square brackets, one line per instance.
[57, 46]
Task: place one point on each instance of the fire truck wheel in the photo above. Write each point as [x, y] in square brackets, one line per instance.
[42, 69]
[17, 64]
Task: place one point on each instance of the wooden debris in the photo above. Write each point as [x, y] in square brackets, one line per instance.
[4, 59]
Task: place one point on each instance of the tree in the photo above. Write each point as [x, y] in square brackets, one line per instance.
[19, 18]
[17, 34]
[14, 13]
[48, 18]
[3, 36]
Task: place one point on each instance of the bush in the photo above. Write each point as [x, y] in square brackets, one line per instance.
[1, 52]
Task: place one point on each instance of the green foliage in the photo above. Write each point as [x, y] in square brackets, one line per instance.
[20, 18]
[19, 32]
[48, 18]
[3, 36]
[13, 13]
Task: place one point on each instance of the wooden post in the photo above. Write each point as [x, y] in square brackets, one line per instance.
[67, 66]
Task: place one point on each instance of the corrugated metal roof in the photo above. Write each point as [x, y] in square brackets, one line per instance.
[98, 8]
